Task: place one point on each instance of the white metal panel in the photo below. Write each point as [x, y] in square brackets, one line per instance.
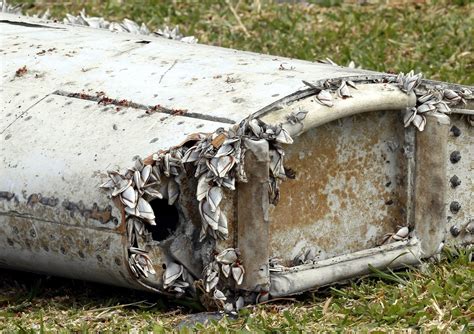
[215, 82]
[79, 146]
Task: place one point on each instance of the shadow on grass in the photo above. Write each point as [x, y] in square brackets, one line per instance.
[22, 291]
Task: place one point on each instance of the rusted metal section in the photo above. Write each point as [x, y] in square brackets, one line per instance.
[348, 190]
[431, 184]
[460, 188]
[253, 221]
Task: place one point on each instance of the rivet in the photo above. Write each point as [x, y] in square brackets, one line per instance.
[454, 207]
[455, 230]
[455, 157]
[455, 181]
[456, 131]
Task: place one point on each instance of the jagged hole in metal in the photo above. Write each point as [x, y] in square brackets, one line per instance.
[166, 219]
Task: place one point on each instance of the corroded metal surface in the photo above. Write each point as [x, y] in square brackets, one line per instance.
[348, 189]
[460, 223]
[339, 161]
[431, 184]
[253, 224]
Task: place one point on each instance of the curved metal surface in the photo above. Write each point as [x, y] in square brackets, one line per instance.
[77, 102]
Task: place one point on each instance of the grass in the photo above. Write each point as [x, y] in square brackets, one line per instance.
[437, 297]
[434, 37]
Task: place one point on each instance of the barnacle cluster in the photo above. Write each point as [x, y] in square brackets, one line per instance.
[437, 99]
[217, 160]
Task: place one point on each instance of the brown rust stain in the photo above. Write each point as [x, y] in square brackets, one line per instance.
[340, 186]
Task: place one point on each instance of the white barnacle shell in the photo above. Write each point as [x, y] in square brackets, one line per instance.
[211, 283]
[214, 197]
[425, 107]
[419, 122]
[410, 114]
[276, 164]
[351, 84]
[203, 187]
[401, 234]
[155, 170]
[426, 97]
[208, 216]
[152, 193]
[191, 155]
[138, 226]
[466, 93]
[451, 95]
[131, 211]
[146, 173]
[227, 256]
[343, 90]
[228, 308]
[172, 273]
[145, 211]
[129, 197]
[131, 265]
[238, 272]
[239, 303]
[121, 185]
[225, 268]
[294, 118]
[255, 127]
[139, 164]
[325, 98]
[283, 137]
[109, 184]
[222, 230]
[219, 295]
[443, 107]
[137, 179]
[224, 165]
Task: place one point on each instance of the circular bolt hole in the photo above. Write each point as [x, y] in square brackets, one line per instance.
[456, 131]
[455, 156]
[63, 250]
[117, 261]
[455, 230]
[99, 258]
[33, 233]
[455, 181]
[454, 207]
[81, 254]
